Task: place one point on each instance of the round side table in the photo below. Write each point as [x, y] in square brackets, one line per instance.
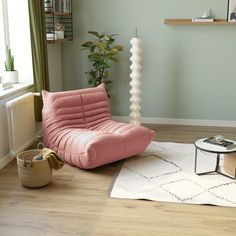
[211, 148]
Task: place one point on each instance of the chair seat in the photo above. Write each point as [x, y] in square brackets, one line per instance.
[112, 141]
[82, 135]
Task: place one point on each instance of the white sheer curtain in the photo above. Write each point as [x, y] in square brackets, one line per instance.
[15, 32]
[2, 41]
[19, 34]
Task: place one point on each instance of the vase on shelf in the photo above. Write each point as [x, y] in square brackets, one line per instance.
[59, 34]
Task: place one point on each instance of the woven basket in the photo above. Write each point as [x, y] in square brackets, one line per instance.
[33, 173]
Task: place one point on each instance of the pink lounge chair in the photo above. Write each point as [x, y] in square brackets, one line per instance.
[78, 126]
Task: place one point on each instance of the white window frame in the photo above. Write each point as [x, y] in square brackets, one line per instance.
[2, 38]
[25, 78]
[5, 23]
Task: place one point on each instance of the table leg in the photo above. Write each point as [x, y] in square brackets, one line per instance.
[217, 162]
[217, 169]
[207, 172]
[195, 163]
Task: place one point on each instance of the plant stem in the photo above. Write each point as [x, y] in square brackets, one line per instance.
[101, 75]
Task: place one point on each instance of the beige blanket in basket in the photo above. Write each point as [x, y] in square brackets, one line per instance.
[54, 160]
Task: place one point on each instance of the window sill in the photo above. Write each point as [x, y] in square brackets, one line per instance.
[19, 87]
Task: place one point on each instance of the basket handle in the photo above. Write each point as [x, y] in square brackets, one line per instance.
[40, 144]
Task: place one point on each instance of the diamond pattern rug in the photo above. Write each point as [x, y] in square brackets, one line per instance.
[165, 172]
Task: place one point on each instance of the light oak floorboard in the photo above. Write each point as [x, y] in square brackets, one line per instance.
[76, 202]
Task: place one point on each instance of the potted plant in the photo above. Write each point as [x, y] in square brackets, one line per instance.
[102, 53]
[10, 74]
[59, 30]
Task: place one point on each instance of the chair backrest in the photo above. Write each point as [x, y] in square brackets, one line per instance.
[84, 108]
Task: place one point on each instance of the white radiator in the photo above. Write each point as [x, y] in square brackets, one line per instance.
[21, 122]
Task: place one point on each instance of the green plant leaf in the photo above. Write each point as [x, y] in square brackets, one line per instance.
[114, 59]
[102, 35]
[90, 81]
[106, 74]
[119, 47]
[101, 45]
[106, 37]
[92, 48]
[9, 62]
[112, 35]
[87, 44]
[94, 33]
[114, 51]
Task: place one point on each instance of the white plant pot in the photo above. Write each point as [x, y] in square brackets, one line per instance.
[10, 76]
[59, 34]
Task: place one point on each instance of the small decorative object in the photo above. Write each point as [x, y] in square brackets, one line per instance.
[10, 74]
[59, 30]
[231, 10]
[221, 141]
[51, 36]
[135, 83]
[38, 157]
[205, 17]
[101, 55]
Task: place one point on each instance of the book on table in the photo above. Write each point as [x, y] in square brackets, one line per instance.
[202, 20]
[223, 142]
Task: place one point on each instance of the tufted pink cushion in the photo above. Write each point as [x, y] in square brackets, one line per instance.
[78, 126]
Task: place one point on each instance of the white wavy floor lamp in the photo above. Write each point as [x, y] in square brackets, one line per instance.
[136, 58]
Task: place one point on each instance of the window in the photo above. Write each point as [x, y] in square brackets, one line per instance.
[15, 32]
[2, 41]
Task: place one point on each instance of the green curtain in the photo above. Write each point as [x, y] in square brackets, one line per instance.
[39, 52]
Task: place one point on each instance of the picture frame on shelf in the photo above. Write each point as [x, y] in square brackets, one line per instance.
[231, 10]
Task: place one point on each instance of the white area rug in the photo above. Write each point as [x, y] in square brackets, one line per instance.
[165, 172]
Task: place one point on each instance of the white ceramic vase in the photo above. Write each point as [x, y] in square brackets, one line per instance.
[59, 34]
[10, 76]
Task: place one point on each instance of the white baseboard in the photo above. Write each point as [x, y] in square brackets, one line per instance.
[171, 121]
[6, 159]
[12, 155]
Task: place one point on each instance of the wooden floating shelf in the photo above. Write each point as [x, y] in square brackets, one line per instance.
[189, 22]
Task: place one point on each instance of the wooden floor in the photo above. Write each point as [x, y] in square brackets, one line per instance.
[76, 202]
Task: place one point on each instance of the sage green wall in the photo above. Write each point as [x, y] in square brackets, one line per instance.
[188, 71]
